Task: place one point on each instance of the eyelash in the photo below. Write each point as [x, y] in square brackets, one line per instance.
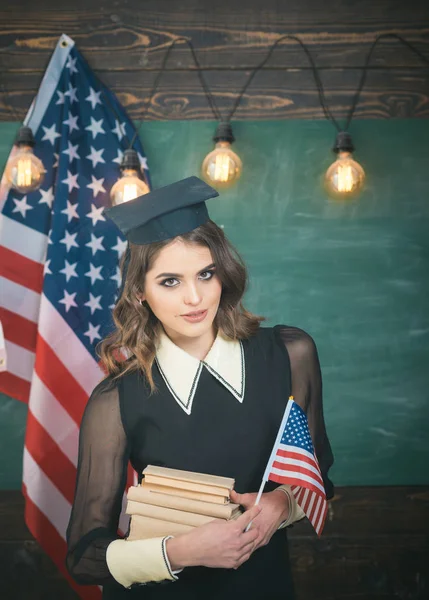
[211, 271]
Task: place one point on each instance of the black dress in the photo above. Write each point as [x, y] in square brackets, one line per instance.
[221, 436]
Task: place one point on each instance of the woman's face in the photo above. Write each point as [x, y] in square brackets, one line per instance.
[183, 290]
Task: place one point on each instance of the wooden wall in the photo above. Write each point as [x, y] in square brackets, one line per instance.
[375, 547]
[125, 42]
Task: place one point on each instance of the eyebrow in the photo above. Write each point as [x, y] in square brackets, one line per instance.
[172, 275]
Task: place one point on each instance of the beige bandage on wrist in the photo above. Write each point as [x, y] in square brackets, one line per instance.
[295, 511]
[139, 561]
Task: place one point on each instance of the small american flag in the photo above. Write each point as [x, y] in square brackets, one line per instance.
[294, 462]
[59, 276]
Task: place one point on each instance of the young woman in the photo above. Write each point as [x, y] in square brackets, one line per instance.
[203, 389]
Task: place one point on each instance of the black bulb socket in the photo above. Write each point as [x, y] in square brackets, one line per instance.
[343, 142]
[130, 160]
[224, 133]
[25, 137]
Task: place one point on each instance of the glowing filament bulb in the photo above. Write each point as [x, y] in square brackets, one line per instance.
[24, 171]
[130, 185]
[130, 192]
[345, 177]
[221, 167]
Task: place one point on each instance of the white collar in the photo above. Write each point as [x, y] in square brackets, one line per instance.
[181, 371]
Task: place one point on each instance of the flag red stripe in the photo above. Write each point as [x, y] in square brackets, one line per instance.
[293, 481]
[297, 469]
[14, 386]
[21, 270]
[50, 458]
[315, 514]
[297, 456]
[306, 503]
[59, 381]
[300, 496]
[18, 330]
[55, 546]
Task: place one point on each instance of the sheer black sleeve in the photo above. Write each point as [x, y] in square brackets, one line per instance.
[101, 480]
[307, 392]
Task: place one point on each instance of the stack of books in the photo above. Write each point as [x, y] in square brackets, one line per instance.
[171, 502]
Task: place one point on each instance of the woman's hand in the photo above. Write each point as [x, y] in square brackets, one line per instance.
[275, 507]
[217, 544]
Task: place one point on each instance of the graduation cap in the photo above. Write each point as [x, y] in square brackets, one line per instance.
[162, 214]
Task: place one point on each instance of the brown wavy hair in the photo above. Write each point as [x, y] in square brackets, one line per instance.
[137, 328]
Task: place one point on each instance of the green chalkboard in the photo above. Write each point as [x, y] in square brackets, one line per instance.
[354, 275]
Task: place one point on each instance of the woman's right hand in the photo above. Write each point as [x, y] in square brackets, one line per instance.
[217, 544]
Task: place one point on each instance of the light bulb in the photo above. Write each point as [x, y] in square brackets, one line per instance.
[24, 171]
[345, 177]
[222, 167]
[130, 185]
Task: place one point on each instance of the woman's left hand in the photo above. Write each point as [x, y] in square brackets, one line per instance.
[275, 509]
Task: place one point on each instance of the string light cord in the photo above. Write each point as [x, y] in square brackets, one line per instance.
[209, 96]
[314, 69]
[375, 43]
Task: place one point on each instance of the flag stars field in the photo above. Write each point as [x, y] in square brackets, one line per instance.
[71, 93]
[68, 300]
[117, 276]
[71, 65]
[71, 181]
[69, 270]
[69, 240]
[96, 243]
[96, 156]
[94, 273]
[96, 214]
[71, 151]
[119, 129]
[93, 303]
[94, 98]
[93, 332]
[95, 127]
[119, 157]
[22, 206]
[47, 197]
[96, 186]
[46, 269]
[51, 134]
[71, 122]
[120, 246]
[60, 99]
[70, 211]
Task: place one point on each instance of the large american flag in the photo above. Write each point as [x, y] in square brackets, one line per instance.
[294, 462]
[59, 276]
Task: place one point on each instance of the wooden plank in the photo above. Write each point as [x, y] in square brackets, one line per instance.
[125, 45]
[337, 567]
[226, 33]
[27, 572]
[141, 48]
[375, 546]
[272, 95]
